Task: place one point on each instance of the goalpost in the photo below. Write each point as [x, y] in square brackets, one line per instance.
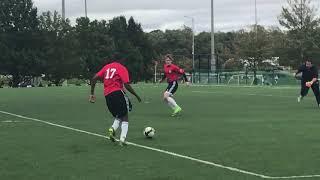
[239, 77]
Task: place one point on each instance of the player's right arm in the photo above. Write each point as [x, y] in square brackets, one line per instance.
[163, 78]
[99, 75]
[299, 71]
[92, 97]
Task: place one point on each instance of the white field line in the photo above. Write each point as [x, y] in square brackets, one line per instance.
[10, 121]
[250, 94]
[240, 86]
[244, 86]
[164, 151]
[294, 177]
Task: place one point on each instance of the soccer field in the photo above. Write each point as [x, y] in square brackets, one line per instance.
[223, 133]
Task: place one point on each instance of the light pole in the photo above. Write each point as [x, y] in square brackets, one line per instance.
[63, 10]
[256, 18]
[213, 62]
[192, 19]
[85, 8]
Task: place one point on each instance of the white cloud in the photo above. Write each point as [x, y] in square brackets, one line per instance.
[169, 14]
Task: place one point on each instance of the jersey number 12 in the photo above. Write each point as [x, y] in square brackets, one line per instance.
[110, 73]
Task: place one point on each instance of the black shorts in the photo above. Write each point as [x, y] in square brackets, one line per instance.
[118, 104]
[172, 87]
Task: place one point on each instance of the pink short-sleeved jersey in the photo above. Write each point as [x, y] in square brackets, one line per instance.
[172, 72]
[114, 75]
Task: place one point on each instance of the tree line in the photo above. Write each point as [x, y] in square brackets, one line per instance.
[33, 44]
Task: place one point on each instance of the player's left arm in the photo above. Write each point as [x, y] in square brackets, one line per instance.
[185, 77]
[315, 76]
[131, 90]
[314, 79]
[182, 72]
[124, 75]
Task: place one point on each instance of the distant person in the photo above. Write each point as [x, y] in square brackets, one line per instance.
[309, 78]
[115, 76]
[262, 80]
[172, 73]
[276, 78]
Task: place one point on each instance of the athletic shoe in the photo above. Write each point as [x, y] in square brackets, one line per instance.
[176, 111]
[122, 143]
[112, 134]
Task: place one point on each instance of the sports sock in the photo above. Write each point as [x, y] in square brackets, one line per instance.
[124, 130]
[115, 124]
[170, 105]
[172, 102]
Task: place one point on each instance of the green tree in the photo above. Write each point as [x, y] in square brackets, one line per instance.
[225, 47]
[95, 45]
[142, 44]
[203, 43]
[158, 41]
[59, 57]
[18, 33]
[299, 18]
[176, 42]
[253, 47]
[132, 45]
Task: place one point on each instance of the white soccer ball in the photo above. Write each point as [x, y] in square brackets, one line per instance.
[149, 132]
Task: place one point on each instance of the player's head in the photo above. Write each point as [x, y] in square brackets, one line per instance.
[308, 63]
[168, 59]
[116, 57]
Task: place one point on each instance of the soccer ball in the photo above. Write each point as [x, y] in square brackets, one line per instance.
[149, 132]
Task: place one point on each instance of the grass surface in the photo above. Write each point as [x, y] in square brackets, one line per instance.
[261, 130]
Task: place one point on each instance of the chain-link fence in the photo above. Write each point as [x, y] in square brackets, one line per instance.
[200, 71]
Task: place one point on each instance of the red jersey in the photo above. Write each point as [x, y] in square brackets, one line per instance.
[114, 75]
[172, 72]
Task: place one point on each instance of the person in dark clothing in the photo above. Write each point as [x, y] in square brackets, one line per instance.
[309, 79]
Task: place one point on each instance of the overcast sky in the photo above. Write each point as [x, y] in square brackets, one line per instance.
[169, 14]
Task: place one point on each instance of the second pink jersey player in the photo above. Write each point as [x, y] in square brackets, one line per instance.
[172, 72]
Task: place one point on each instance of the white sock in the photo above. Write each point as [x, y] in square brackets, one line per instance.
[170, 105]
[115, 124]
[124, 130]
[172, 102]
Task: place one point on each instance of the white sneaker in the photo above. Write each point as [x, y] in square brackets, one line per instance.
[299, 99]
[122, 143]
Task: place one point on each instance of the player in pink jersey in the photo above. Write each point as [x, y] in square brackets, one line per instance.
[115, 76]
[172, 73]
